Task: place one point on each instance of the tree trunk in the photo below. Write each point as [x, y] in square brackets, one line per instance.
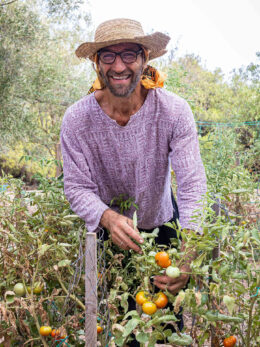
[58, 158]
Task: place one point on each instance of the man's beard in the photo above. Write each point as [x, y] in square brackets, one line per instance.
[121, 90]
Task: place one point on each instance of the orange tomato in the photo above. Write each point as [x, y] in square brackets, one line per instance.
[160, 300]
[99, 329]
[141, 297]
[230, 341]
[162, 259]
[149, 308]
[55, 333]
[45, 330]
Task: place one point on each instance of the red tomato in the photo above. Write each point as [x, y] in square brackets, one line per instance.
[99, 329]
[55, 333]
[230, 341]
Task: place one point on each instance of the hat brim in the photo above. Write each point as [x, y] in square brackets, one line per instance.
[156, 44]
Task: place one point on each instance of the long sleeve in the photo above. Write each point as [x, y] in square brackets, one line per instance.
[79, 188]
[188, 167]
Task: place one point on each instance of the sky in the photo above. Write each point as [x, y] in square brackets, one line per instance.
[224, 33]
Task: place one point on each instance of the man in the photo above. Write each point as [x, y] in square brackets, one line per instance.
[122, 138]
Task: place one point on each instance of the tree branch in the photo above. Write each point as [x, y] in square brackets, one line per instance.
[7, 3]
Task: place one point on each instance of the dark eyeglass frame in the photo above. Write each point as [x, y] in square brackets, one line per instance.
[121, 54]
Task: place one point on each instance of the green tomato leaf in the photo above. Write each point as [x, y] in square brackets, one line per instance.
[216, 316]
[9, 297]
[124, 302]
[64, 262]
[130, 326]
[183, 340]
[43, 249]
[142, 337]
[229, 301]
[198, 261]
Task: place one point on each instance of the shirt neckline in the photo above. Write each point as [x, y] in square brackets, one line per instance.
[132, 118]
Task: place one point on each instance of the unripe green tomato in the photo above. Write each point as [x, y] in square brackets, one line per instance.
[124, 286]
[246, 237]
[19, 289]
[38, 289]
[173, 272]
[151, 261]
[172, 251]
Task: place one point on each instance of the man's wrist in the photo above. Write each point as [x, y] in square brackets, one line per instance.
[106, 218]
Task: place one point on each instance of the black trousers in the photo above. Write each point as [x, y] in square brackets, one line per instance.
[163, 238]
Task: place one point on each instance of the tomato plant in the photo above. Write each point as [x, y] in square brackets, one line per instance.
[221, 293]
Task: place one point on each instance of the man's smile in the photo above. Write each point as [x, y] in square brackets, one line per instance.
[119, 79]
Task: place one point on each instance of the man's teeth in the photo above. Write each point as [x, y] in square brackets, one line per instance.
[120, 78]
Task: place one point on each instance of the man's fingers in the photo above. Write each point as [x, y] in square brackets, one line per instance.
[172, 288]
[175, 288]
[126, 243]
[131, 232]
[174, 285]
[165, 279]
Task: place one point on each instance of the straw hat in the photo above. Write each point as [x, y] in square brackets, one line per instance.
[121, 30]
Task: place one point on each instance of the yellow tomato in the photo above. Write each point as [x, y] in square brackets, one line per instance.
[149, 308]
[141, 297]
[45, 330]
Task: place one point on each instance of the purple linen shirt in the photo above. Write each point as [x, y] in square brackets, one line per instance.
[103, 159]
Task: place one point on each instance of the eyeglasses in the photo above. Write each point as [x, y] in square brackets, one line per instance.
[128, 57]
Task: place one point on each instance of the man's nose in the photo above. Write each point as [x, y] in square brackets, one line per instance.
[118, 65]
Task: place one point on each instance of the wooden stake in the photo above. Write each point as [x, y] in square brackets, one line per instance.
[91, 290]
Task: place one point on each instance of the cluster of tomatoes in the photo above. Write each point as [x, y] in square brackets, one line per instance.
[20, 290]
[150, 303]
[55, 333]
[163, 260]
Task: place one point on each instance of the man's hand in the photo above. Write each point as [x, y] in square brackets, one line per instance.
[173, 285]
[122, 230]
